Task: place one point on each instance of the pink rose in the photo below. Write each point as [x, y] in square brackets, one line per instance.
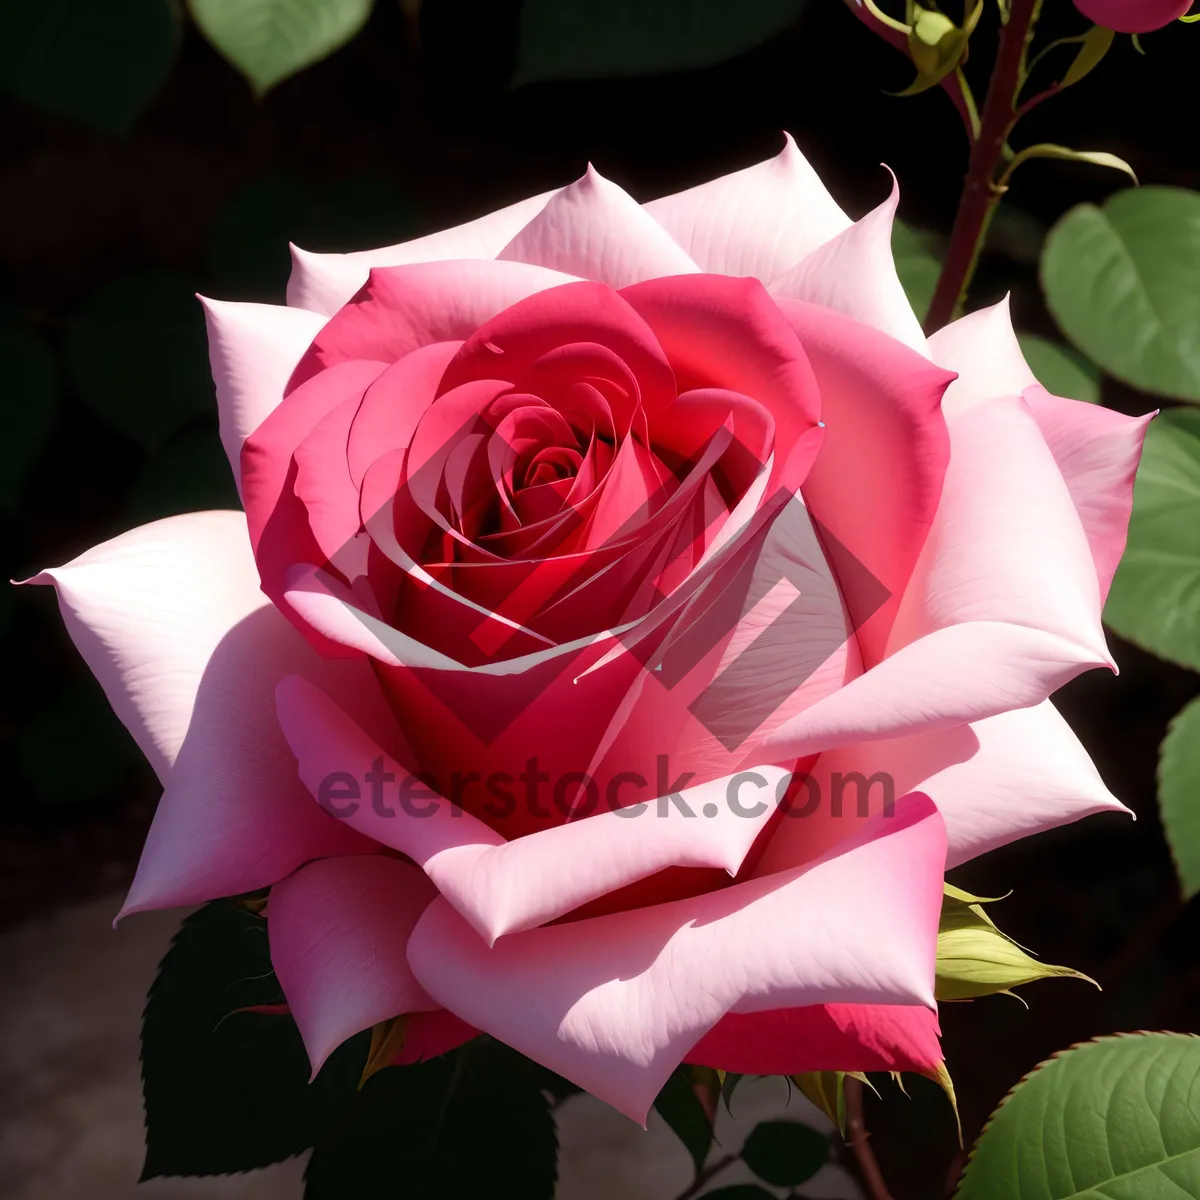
[1133, 16]
[603, 549]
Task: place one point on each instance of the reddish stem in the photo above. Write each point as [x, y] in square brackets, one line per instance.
[980, 192]
[860, 1141]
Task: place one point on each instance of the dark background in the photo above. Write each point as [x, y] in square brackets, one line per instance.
[409, 130]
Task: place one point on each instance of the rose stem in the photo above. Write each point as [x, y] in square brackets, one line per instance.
[980, 194]
[860, 1140]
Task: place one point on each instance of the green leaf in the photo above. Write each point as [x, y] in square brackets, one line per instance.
[1179, 795]
[918, 263]
[680, 1107]
[785, 1153]
[224, 1090]
[1155, 597]
[138, 355]
[30, 396]
[74, 749]
[975, 959]
[470, 1124]
[191, 475]
[268, 40]
[1060, 369]
[591, 39]
[1113, 1118]
[99, 63]
[1123, 282]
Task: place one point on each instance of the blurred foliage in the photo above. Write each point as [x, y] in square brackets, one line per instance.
[588, 39]
[1061, 370]
[32, 376]
[248, 248]
[138, 354]
[918, 256]
[73, 749]
[99, 63]
[785, 1153]
[268, 40]
[102, 63]
[1179, 789]
[679, 1105]
[189, 474]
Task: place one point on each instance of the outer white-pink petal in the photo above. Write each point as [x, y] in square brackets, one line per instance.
[614, 1003]
[982, 349]
[595, 230]
[760, 221]
[854, 273]
[339, 930]
[324, 282]
[1097, 450]
[1003, 778]
[171, 621]
[253, 350]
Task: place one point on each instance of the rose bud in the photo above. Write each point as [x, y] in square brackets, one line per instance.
[1133, 16]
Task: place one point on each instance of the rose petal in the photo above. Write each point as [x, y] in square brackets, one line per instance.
[393, 405]
[338, 930]
[502, 887]
[825, 1037]
[171, 620]
[400, 309]
[1030, 774]
[1097, 451]
[881, 405]
[1003, 778]
[277, 519]
[760, 221]
[982, 349]
[253, 349]
[729, 333]
[1003, 607]
[324, 282]
[595, 230]
[854, 273]
[614, 1003]
[514, 344]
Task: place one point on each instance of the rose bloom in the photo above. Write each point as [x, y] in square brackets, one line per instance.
[589, 549]
[1134, 16]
